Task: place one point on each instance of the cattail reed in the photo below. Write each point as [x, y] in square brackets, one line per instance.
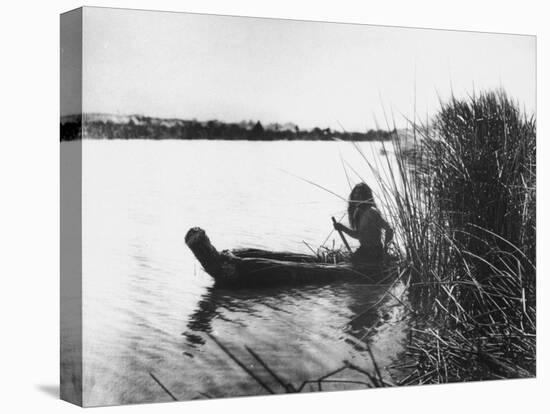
[463, 203]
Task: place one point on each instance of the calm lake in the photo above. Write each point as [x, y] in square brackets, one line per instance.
[148, 307]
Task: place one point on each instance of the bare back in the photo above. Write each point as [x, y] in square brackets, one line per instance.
[370, 226]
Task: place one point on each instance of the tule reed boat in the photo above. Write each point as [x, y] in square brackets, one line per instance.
[256, 267]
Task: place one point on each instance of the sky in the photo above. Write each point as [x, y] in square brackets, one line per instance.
[342, 76]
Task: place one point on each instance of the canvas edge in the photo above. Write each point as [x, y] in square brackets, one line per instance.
[71, 368]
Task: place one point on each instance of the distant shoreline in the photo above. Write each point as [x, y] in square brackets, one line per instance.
[109, 126]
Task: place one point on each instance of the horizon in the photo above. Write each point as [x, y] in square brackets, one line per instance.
[202, 121]
[313, 74]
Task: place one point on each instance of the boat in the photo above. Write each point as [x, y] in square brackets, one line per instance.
[255, 267]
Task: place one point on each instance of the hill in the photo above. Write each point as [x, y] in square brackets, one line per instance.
[112, 126]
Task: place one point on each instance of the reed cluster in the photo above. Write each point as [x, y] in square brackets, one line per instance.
[462, 200]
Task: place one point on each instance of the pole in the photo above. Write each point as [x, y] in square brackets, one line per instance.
[342, 236]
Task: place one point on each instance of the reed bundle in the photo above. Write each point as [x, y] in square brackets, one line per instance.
[462, 200]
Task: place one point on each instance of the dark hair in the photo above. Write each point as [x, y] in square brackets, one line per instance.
[360, 196]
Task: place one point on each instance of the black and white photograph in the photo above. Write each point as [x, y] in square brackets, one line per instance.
[256, 206]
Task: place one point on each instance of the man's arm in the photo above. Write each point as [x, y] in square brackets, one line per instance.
[388, 233]
[348, 231]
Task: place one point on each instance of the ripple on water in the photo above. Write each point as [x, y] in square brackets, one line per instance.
[148, 306]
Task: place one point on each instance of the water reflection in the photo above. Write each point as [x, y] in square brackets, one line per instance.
[148, 307]
[300, 332]
[352, 310]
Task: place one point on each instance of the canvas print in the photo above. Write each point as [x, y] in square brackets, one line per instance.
[256, 206]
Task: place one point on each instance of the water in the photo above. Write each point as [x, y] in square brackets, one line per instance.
[149, 308]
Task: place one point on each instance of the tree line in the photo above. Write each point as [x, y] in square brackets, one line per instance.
[141, 127]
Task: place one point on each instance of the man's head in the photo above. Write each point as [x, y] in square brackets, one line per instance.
[361, 195]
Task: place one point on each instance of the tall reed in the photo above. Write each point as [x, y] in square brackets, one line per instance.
[462, 201]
